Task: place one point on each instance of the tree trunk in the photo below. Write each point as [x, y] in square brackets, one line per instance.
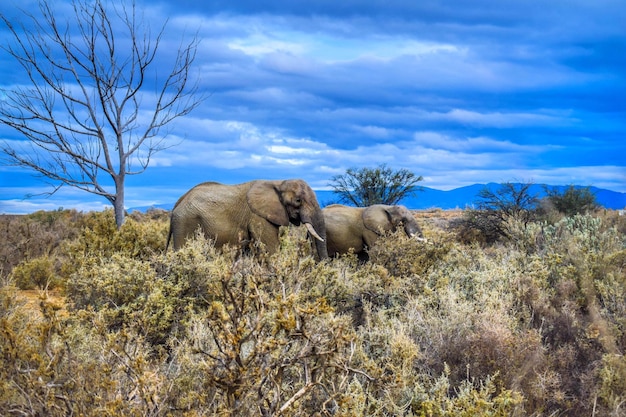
[118, 203]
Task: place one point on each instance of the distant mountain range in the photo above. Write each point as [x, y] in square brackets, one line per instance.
[464, 197]
[461, 198]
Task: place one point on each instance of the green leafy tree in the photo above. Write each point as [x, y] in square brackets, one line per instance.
[363, 187]
[572, 200]
[84, 113]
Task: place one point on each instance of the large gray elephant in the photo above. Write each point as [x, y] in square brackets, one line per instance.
[358, 228]
[243, 213]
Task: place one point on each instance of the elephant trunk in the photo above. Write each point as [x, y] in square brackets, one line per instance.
[317, 229]
[414, 231]
[322, 250]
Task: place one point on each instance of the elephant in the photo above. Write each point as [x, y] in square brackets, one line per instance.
[358, 228]
[243, 213]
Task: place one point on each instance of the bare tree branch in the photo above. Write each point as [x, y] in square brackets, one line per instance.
[83, 115]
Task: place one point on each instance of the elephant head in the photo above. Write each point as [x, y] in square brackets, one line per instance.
[385, 218]
[290, 202]
[253, 211]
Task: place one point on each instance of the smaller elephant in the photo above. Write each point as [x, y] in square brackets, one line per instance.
[358, 228]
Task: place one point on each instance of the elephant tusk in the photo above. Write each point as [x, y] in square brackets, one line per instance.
[420, 239]
[312, 231]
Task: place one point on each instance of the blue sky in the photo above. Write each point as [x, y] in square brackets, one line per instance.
[458, 92]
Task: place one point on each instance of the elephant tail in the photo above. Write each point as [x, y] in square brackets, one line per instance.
[169, 238]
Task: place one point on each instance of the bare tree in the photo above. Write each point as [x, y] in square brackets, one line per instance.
[496, 207]
[95, 108]
[363, 187]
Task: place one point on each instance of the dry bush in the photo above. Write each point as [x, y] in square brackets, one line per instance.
[406, 257]
[57, 367]
[36, 273]
[154, 297]
[476, 226]
[613, 218]
[35, 235]
[62, 237]
[264, 346]
[531, 326]
[140, 238]
[574, 293]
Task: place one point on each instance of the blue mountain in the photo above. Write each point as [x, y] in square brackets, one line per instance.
[460, 198]
[464, 197]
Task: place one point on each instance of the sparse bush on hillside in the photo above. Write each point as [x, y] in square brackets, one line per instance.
[533, 326]
[496, 211]
[572, 200]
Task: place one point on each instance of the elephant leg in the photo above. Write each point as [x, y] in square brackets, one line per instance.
[363, 256]
[182, 230]
[265, 232]
[369, 238]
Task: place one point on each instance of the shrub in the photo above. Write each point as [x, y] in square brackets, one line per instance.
[612, 391]
[532, 326]
[259, 340]
[406, 257]
[469, 399]
[476, 226]
[98, 238]
[495, 211]
[572, 200]
[572, 301]
[36, 235]
[136, 238]
[153, 298]
[57, 367]
[35, 273]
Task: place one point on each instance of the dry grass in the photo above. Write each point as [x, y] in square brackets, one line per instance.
[33, 300]
[535, 326]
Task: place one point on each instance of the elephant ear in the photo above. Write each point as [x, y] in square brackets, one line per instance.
[263, 199]
[377, 219]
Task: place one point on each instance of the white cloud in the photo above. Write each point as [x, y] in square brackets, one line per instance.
[376, 132]
[502, 120]
[479, 144]
[456, 96]
[66, 197]
[260, 43]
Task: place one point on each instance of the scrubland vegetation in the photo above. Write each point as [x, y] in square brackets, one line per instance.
[532, 323]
